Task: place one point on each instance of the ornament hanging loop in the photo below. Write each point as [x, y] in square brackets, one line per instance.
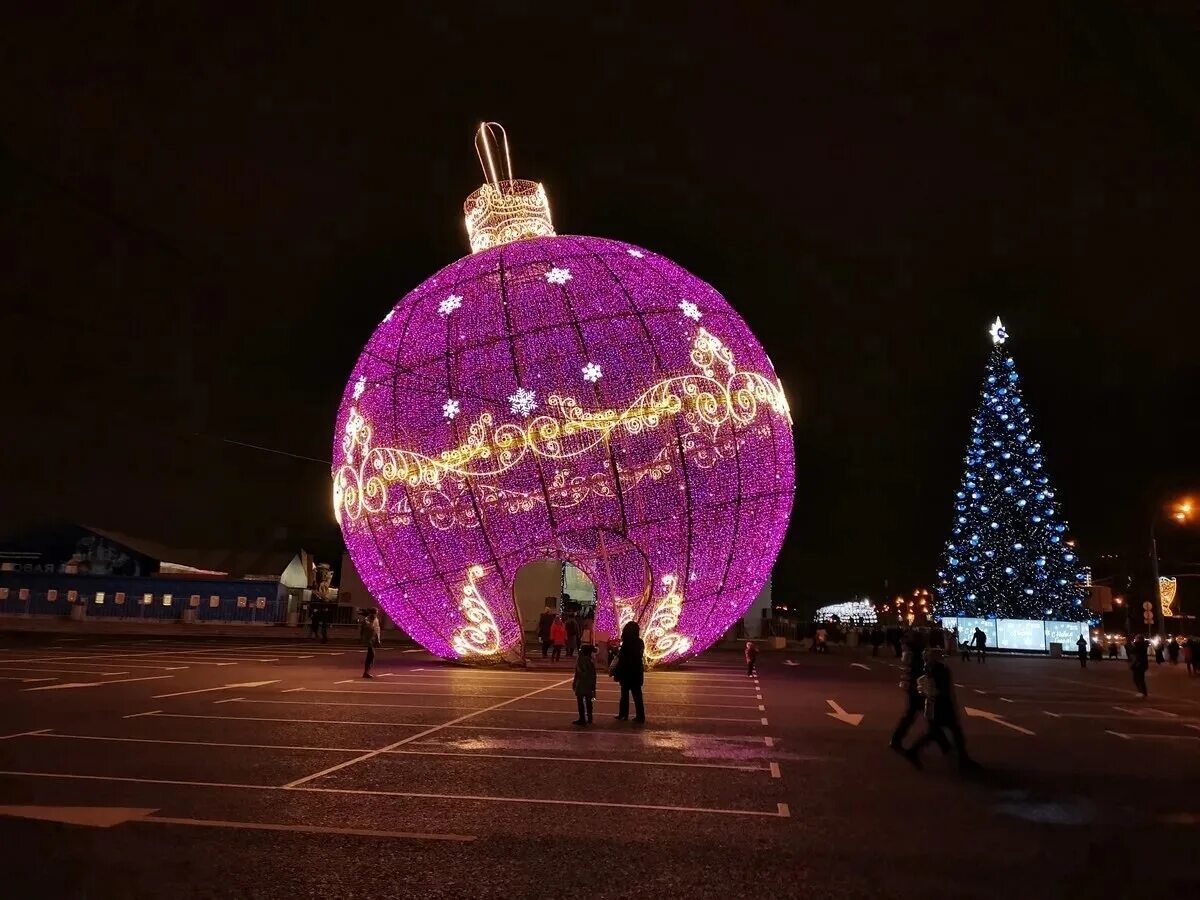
[487, 147]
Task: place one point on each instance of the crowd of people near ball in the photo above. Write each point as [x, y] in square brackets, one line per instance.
[576, 635]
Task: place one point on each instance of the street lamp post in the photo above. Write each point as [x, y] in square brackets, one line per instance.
[1182, 512]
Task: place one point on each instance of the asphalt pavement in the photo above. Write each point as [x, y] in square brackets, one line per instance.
[243, 767]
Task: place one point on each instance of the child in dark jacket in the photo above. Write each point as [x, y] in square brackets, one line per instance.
[751, 658]
[584, 685]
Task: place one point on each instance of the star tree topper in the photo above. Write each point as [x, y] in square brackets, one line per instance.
[998, 332]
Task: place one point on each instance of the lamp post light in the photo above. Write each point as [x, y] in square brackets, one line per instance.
[1181, 512]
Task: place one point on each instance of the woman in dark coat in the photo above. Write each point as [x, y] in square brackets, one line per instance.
[629, 672]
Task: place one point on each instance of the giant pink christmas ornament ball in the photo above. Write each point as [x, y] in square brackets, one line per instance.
[573, 398]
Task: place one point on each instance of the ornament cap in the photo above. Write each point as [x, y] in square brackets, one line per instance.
[503, 210]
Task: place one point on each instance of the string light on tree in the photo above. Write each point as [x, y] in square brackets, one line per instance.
[1008, 555]
[588, 421]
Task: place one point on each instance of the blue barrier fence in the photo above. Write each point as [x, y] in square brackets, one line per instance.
[143, 599]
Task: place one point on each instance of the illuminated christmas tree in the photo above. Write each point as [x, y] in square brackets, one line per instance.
[1008, 555]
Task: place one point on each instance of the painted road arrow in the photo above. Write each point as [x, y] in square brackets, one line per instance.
[223, 687]
[860, 666]
[110, 816]
[993, 717]
[842, 716]
[83, 684]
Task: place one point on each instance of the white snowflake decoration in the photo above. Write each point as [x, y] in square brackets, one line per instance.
[450, 409]
[636, 254]
[449, 305]
[558, 276]
[522, 402]
[592, 373]
[360, 386]
[690, 309]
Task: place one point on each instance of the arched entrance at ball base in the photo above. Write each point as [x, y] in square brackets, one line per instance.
[617, 568]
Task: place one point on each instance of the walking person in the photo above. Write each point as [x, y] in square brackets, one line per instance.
[314, 618]
[1173, 652]
[1082, 645]
[327, 613]
[1138, 664]
[914, 668]
[979, 639]
[751, 658]
[1189, 654]
[368, 633]
[584, 685]
[937, 686]
[545, 622]
[572, 625]
[558, 639]
[630, 673]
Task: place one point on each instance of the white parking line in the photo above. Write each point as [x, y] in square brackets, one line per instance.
[9, 737]
[781, 810]
[409, 739]
[337, 703]
[50, 733]
[88, 684]
[775, 770]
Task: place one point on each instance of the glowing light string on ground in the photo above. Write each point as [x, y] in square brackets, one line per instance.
[1166, 595]
[551, 396]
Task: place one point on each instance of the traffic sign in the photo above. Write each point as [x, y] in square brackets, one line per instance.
[1147, 606]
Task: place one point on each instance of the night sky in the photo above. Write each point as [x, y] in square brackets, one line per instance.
[205, 215]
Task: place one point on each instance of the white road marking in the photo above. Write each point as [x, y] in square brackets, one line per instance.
[411, 738]
[994, 717]
[631, 733]
[1154, 737]
[860, 666]
[763, 720]
[111, 816]
[25, 680]
[49, 733]
[89, 684]
[567, 699]
[770, 742]
[7, 737]
[1005, 700]
[1148, 709]
[841, 715]
[153, 712]
[337, 703]
[223, 687]
[91, 672]
[311, 829]
[579, 759]
[775, 770]
[761, 708]
[781, 810]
